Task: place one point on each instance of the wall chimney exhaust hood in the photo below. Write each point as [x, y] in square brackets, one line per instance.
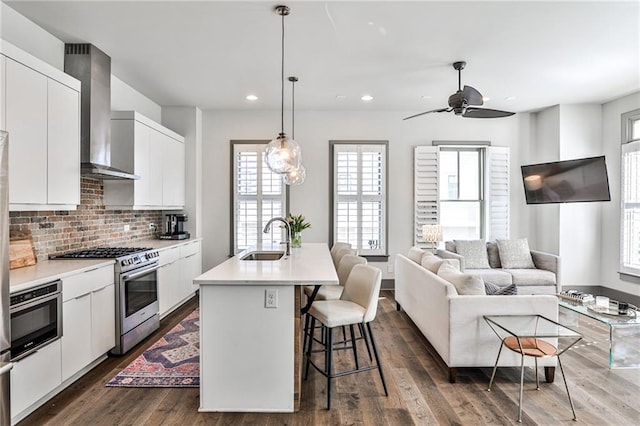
[92, 67]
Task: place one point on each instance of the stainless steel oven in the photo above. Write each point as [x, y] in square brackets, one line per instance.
[36, 318]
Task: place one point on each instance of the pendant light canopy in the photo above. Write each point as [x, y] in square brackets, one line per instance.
[298, 175]
[283, 154]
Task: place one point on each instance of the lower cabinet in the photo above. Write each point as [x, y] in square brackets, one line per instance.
[103, 320]
[34, 377]
[179, 265]
[76, 333]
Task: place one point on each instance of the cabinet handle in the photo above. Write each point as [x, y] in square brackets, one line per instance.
[191, 255]
[6, 368]
[81, 296]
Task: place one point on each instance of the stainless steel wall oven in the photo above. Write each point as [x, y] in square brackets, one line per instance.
[36, 318]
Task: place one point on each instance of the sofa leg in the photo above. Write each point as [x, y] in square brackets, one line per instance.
[398, 307]
[452, 375]
[549, 374]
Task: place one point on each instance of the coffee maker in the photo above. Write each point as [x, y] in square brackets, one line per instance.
[174, 227]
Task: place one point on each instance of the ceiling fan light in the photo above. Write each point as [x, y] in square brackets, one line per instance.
[283, 154]
[295, 177]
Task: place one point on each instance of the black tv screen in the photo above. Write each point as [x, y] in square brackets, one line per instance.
[570, 181]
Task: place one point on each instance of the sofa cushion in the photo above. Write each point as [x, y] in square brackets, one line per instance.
[494, 255]
[495, 290]
[474, 253]
[450, 246]
[515, 254]
[433, 262]
[465, 284]
[415, 254]
[532, 277]
[496, 276]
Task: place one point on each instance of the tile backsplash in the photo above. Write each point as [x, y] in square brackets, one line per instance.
[91, 225]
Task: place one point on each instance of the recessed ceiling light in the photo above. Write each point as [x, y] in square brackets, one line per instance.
[371, 23]
[510, 98]
[251, 98]
[367, 98]
[341, 97]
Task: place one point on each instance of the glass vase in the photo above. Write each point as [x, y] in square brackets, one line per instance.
[296, 239]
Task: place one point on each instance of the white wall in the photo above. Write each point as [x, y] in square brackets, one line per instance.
[21, 32]
[610, 223]
[126, 98]
[314, 129]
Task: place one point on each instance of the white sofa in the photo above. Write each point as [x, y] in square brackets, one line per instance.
[454, 324]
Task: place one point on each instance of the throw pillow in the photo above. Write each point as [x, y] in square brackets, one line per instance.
[494, 255]
[415, 254]
[494, 290]
[474, 253]
[464, 284]
[515, 254]
[450, 246]
[432, 262]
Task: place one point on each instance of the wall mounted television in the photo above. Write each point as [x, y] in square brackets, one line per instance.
[570, 181]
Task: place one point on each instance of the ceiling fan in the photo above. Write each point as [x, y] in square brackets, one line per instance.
[464, 100]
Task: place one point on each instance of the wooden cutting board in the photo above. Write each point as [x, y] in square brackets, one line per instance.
[21, 252]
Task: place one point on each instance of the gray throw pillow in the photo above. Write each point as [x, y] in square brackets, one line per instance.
[494, 255]
[494, 290]
[474, 253]
[464, 283]
[515, 254]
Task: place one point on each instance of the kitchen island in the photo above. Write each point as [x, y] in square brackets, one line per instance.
[250, 351]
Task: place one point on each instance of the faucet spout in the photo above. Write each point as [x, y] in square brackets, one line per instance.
[267, 228]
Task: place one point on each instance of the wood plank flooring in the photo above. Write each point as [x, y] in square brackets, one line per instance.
[419, 390]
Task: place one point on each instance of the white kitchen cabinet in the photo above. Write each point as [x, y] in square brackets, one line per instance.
[34, 377]
[179, 264]
[26, 112]
[76, 335]
[41, 111]
[158, 158]
[191, 267]
[88, 310]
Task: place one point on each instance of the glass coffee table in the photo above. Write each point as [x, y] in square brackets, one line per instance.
[624, 331]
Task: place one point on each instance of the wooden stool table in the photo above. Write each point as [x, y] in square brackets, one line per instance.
[529, 335]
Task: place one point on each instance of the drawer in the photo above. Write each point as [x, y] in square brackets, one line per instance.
[189, 249]
[169, 255]
[86, 282]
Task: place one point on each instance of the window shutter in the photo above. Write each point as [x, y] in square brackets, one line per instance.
[425, 191]
[630, 234]
[497, 193]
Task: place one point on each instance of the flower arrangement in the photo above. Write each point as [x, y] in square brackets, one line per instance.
[297, 225]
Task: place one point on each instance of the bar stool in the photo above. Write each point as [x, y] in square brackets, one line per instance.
[338, 246]
[340, 254]
[357, 305]
[333, 292]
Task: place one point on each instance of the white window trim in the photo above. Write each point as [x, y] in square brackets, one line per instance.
[628, 145]
[361, 146]
[258, 147]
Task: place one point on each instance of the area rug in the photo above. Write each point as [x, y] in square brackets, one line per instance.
[171, 362]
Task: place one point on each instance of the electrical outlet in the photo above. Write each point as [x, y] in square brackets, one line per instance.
[390, 267]
[127, 228]
[152, 226]
[271, 298]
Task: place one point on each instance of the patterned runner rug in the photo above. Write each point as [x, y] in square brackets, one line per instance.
[171, 362]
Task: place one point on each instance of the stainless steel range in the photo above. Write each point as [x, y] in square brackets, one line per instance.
[136, 278]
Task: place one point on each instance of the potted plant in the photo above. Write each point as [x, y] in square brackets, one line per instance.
[297, 225]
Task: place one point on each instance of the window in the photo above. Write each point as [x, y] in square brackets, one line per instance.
[359, 195]
[461, 193]
[258, 195]
[630, 192]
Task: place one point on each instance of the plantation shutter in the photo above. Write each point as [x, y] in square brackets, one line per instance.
[630, 223]
[425, 191]
[497, 193]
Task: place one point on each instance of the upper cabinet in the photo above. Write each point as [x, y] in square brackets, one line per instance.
[154, 153]
[42, 115]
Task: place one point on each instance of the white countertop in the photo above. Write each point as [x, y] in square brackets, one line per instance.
[51, 270]
[309, 264]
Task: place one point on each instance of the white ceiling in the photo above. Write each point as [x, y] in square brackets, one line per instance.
[212, 54]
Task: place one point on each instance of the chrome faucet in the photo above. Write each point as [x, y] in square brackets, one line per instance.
[267, 227]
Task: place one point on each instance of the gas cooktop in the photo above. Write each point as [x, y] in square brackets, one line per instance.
[102, 253]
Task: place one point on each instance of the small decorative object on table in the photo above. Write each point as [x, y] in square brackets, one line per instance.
[577, 296]
[297, 225]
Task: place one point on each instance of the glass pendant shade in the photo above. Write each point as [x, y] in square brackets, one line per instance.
[296, 177]
[283, 155]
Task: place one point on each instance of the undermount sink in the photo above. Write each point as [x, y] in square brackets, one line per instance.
[263, 255]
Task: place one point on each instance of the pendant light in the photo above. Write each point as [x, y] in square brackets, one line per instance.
[296, 176]
[283, 154]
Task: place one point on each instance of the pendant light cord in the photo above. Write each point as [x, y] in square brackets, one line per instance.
[282, 82]
[293, 109]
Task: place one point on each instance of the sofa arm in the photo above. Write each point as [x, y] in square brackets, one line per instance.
[446, 254]
[547, 261]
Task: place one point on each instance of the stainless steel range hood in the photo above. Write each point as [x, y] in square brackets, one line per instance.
[92, 67]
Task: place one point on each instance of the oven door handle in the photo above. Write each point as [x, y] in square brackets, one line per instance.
[128, 277]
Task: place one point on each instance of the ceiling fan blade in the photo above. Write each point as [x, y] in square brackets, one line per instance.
[472, 96]
[485, 113]
[427, 112]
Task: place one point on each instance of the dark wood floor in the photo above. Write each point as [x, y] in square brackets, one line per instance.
[419, 391]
